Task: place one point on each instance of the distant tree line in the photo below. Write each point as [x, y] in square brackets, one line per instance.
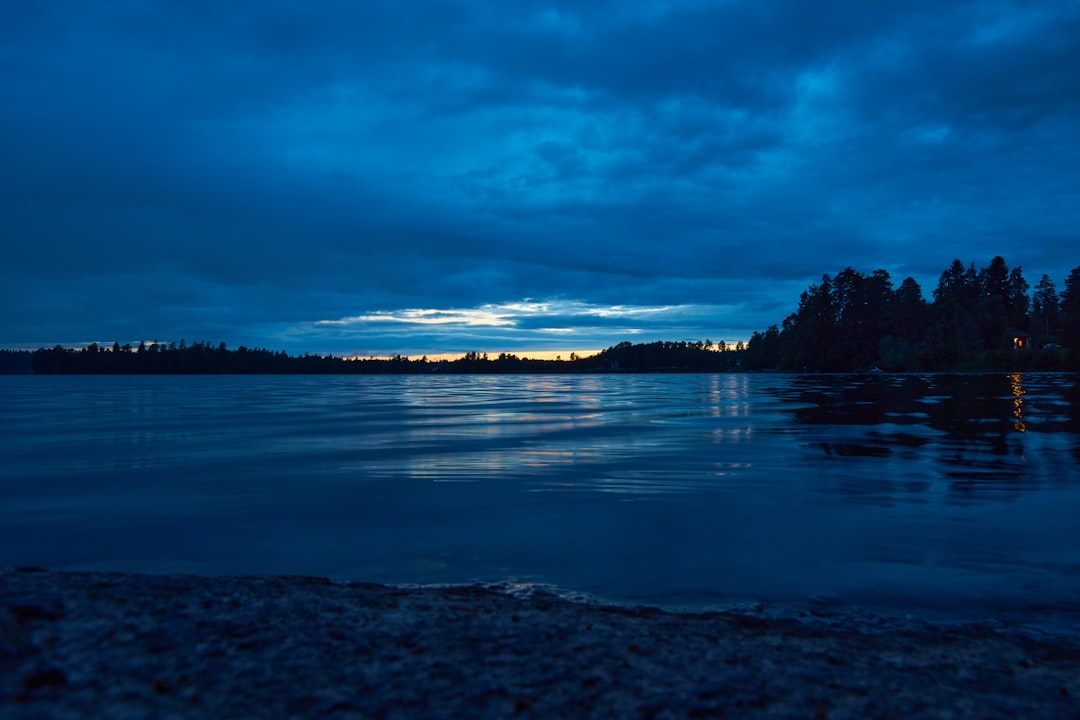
[15, 362]
[977, 320]
[207, 358]
[670, 356]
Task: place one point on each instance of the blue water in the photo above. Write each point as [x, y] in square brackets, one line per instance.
[940, 495]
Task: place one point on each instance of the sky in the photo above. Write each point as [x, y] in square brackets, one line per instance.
[371, 178]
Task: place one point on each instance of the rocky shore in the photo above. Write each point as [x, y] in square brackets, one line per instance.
[81, 645]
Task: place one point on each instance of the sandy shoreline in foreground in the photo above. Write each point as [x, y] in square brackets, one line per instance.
[121, 645]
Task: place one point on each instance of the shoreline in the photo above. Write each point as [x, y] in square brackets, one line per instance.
[83, 644]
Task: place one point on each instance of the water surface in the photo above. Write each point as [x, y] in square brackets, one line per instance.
[942, 495]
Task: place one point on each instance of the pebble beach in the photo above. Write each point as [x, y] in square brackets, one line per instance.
[82, 645]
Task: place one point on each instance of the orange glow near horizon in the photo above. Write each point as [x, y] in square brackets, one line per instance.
[523, 355]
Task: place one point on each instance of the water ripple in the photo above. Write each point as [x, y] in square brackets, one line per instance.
[954, 489]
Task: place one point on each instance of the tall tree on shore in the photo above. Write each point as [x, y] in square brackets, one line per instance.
[862, 309]
[763, 350]
[809, 332]
[908, 316]
[1017, 302]
[994, 278]
[958, 285]
[1044, 308]
[1002, 302]
[903, 345]
[1070, 310]
[954, 333]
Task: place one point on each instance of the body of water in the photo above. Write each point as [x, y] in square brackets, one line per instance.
[954, 496]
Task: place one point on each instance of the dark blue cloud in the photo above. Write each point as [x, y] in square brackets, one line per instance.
[256, 172]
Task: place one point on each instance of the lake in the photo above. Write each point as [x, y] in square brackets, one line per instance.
[947, 496]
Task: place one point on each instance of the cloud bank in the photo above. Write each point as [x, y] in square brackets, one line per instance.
[372, 178]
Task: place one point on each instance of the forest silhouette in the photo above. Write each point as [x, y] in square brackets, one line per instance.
[205, 358]
[978, 320]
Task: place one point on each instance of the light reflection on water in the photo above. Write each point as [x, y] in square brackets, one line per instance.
[945, 493]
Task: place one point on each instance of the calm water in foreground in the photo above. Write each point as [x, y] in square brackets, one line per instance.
[943, 495]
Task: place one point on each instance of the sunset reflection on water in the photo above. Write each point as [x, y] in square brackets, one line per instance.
[957, 491]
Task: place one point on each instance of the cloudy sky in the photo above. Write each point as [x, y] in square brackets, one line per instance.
[423, 177]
